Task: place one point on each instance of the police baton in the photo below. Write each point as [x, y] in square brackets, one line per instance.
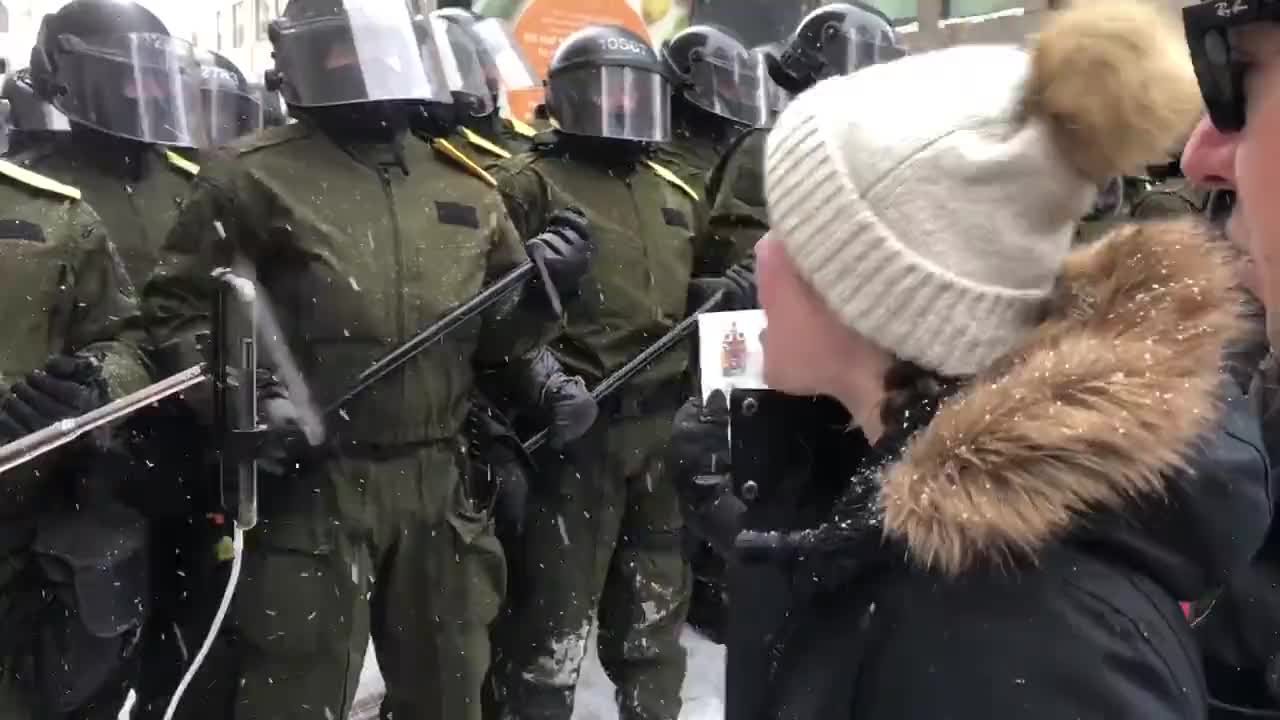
[610, 385]
[486, 298]
[33, 445]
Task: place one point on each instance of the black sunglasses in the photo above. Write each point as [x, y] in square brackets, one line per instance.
[1219, 69]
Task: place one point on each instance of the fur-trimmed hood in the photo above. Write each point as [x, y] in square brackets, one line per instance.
[1096, 408]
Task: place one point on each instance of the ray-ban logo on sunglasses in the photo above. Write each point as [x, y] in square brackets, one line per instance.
[1229, 8]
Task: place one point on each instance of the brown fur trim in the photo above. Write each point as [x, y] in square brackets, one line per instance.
[1106, 397]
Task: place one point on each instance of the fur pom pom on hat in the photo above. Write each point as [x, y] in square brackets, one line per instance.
[931, 200]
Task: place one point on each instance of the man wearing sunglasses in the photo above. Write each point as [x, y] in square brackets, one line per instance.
[1235, 48]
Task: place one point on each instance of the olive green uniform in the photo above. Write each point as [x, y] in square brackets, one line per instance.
[389, 537]
[64, 291]
[692, 158]
[138, 191]
[602, 537]
[737, 217]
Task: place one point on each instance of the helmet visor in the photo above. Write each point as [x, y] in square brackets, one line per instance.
[138, 85]
[731, 85]
[466, 66]
[857, 46]
[612, 101]
[361, 51]
[509, 62]
[231, 107]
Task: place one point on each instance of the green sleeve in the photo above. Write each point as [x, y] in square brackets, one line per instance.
[514, 326]
[212, 231]
[737, 218]
[525, 195]
[105, 321]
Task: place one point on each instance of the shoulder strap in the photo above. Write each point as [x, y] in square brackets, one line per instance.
[480, 142]
[181, 163]
[447, 149]
[36, 180]
[521, 127]
[671, 177]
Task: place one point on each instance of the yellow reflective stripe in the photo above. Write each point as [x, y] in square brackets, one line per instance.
[38, 181]
[521, 127]
[484, 144]
[447, 148]
[670, 177]
[181, 163]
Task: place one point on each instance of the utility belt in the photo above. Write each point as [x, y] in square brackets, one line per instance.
[376, 452]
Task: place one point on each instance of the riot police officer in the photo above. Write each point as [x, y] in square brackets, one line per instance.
[31, 120]
[363, 232]
[835, 39]
[234, 108]
[70, 556]
[490, 63]
[721, 89]
[602, 536]
[133, 97]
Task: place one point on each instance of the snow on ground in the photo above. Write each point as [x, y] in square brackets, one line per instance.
[703, 686]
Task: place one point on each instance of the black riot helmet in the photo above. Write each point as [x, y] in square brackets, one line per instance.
[347, 52]
[717, 73]
[28, 112]
[835, 39]
[233, 108]
[606, 81]
[273, 112]
[484, 60]
[112, 66]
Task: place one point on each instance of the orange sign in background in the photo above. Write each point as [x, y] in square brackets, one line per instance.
[545, 23]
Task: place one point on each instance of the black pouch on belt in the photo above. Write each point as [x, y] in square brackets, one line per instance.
[95, 564]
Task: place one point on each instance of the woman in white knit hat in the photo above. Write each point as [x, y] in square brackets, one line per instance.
[1019, 545]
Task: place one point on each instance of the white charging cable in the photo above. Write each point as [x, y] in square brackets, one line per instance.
[237, 544]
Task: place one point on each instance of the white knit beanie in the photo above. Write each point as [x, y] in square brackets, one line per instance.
[931, 200]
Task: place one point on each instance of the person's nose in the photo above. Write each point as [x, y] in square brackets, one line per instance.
[1209, 156]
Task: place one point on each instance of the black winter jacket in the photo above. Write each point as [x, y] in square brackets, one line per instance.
[1023, 555]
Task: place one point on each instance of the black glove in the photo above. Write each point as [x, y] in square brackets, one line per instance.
[565, 249]
[738, 284]
[741, 280]
[68, 386]
[563, 401]
[538, 385]
[285, 439]
[697, 461]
